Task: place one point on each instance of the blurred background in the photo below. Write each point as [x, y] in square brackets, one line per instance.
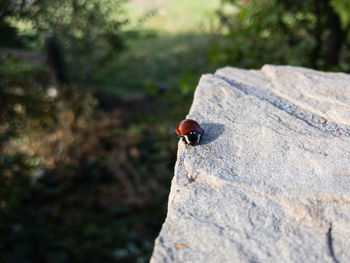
[91, 91]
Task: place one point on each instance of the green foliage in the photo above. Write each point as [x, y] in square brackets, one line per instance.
[7, 31]
[22, 97]
[304, 33]
[90, 31]
[87, 186]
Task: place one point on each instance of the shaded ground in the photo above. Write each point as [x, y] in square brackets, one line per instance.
[159, 63]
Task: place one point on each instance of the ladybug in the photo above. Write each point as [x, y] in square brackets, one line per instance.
[189, 131]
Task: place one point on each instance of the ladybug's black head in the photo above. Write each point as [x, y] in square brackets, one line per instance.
[192, 138]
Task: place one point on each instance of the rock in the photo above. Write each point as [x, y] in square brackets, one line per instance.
[270, 180]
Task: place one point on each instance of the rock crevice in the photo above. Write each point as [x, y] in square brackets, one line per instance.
[284, 104]
[330, 244]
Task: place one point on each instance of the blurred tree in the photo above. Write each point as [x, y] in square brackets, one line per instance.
[9, 34]
[90, 31]
[55, 59]
[313, 33]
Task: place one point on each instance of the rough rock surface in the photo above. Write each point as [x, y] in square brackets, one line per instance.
[270, 180]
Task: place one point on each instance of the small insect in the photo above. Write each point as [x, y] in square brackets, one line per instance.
[190, 131]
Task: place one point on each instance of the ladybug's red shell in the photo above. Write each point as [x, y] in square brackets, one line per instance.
[187, 126]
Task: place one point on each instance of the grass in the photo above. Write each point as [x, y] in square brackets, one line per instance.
[162, 62]
[176, 17]
[174, 56]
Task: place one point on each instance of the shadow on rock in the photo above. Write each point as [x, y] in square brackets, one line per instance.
[212, 131]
